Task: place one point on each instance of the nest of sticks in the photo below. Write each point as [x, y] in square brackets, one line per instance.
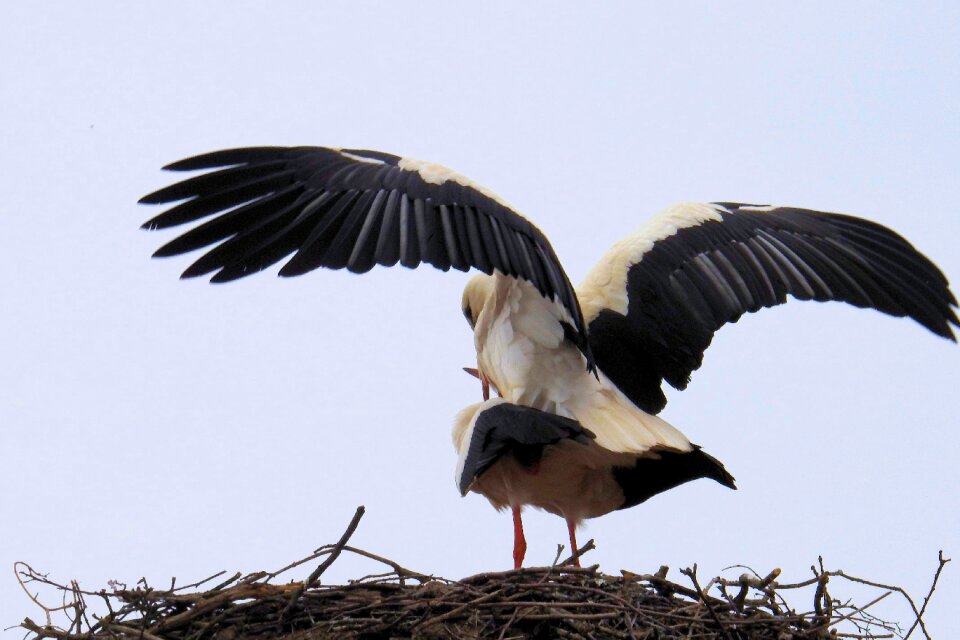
[559, 601]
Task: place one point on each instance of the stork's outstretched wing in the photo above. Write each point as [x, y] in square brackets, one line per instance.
[349, 208]
[654, 301]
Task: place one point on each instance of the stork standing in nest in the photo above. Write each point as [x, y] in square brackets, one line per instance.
[578, 372]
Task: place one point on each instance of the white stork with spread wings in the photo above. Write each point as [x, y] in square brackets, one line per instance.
[579, 372]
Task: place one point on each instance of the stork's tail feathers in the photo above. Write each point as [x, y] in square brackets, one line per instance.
[715, 469]
[650, 476]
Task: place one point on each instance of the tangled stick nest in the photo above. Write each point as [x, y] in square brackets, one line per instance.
[560, 601]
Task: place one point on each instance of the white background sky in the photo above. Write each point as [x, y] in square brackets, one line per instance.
[153, 427]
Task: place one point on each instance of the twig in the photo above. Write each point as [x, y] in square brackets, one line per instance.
[337, 548]
[936, 576]
[135, 633]
[836, 621]
[401, 572]
[692, 574]
[334, 554]
[194, 585]
[589, 546]
[32, 575]
[472, 603]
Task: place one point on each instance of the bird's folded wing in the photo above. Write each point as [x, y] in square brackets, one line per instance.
[499, 428]
[654, 301]
[348, 208]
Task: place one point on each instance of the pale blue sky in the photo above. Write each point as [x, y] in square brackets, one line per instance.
[157, 427]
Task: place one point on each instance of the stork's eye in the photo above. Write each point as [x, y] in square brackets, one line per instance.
[468, 314]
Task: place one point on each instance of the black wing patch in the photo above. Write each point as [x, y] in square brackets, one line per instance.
[347, 208]
[693, 282]
[652, 475]
[510, 429]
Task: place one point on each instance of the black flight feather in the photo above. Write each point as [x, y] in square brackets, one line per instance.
[691, 282]
[375, 212]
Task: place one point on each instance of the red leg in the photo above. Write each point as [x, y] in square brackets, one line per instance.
[484, 381]
[572, 530]
[519, 542]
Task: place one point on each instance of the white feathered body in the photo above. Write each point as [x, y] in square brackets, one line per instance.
[522, 351]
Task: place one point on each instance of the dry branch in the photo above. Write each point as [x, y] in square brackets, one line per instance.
[559, 601]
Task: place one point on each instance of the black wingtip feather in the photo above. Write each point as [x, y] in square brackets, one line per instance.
[155, 197]
[294, 268]
[227, 157]
[207, 263]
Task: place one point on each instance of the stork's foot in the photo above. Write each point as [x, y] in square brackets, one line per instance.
[519, 542]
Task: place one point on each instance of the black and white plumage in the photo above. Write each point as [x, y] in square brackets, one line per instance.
[515, 455]
[654, 301]
[496, 429]
[595, 356]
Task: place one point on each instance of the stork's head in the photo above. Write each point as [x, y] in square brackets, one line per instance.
[475, 296]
